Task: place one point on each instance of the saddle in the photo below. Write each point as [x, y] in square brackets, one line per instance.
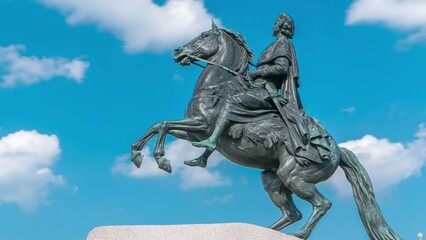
[273, 132]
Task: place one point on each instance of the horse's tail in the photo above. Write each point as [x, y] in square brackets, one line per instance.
[368, 209]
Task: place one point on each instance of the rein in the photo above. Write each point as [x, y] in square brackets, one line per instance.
[223, 67]
[193, 57]
[218, 65]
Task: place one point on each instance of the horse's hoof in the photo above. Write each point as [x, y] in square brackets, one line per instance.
[195, 163]
[300, 235]
[164, 164]
[277, 226]
[137, 158]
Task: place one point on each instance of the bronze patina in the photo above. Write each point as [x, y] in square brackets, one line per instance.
[256, 119]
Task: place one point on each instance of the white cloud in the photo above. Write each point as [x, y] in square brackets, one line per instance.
[18, 69]
[200, 178]
[176, 151]
[405, 15]
[388, 163]
[140, 24]
[26, 158]
[219, 200]
[177, 77]
[149, 167]
[349, 110]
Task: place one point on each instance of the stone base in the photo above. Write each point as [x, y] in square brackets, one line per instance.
[225, 231]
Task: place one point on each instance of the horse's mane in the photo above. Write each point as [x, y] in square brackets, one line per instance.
[241, 40]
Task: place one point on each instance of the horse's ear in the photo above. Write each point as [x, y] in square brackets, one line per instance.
[214, 26]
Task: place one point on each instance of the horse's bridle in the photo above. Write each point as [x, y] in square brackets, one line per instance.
[193, 57]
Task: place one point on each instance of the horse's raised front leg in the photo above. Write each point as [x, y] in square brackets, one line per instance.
[177, 128]
[137, 146]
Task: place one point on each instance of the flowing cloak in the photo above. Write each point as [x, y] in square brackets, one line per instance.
[306, 126]
[316, 134]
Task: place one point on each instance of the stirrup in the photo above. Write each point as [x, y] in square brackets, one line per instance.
[205, 144]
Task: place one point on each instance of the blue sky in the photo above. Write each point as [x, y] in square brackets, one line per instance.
[81, 80]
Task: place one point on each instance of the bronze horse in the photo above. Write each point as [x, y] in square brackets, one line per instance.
[228, 57]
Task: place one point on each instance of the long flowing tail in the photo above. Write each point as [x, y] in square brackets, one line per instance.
[368, 209]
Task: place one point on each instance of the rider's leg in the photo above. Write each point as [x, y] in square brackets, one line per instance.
[200, 161]
[246, 101]
[221, 124]
[210, 143]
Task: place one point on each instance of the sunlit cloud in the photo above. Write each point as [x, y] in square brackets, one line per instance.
[26, 175]
[219, 200]
[177, 151]
[408, 16]
[141, 24]
[15, 68]
[349, 110]
[388, 163]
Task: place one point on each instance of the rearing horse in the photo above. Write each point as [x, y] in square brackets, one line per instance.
[228, 57]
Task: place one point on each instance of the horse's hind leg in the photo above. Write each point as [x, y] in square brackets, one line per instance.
[282, 198]
[310, 193]
[320, 206]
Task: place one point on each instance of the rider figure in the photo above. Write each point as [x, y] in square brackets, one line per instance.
[276, 70]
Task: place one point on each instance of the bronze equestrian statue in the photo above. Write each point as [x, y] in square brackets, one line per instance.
[258, 121]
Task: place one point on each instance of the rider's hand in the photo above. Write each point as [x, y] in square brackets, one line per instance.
[268, 98]
[253, 74]
[283, 100]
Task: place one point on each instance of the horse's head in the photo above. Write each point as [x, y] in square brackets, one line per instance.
[204, 46]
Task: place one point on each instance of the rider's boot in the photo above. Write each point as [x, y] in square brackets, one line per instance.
[200, 161]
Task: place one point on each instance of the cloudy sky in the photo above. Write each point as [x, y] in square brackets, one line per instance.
[80, 80]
